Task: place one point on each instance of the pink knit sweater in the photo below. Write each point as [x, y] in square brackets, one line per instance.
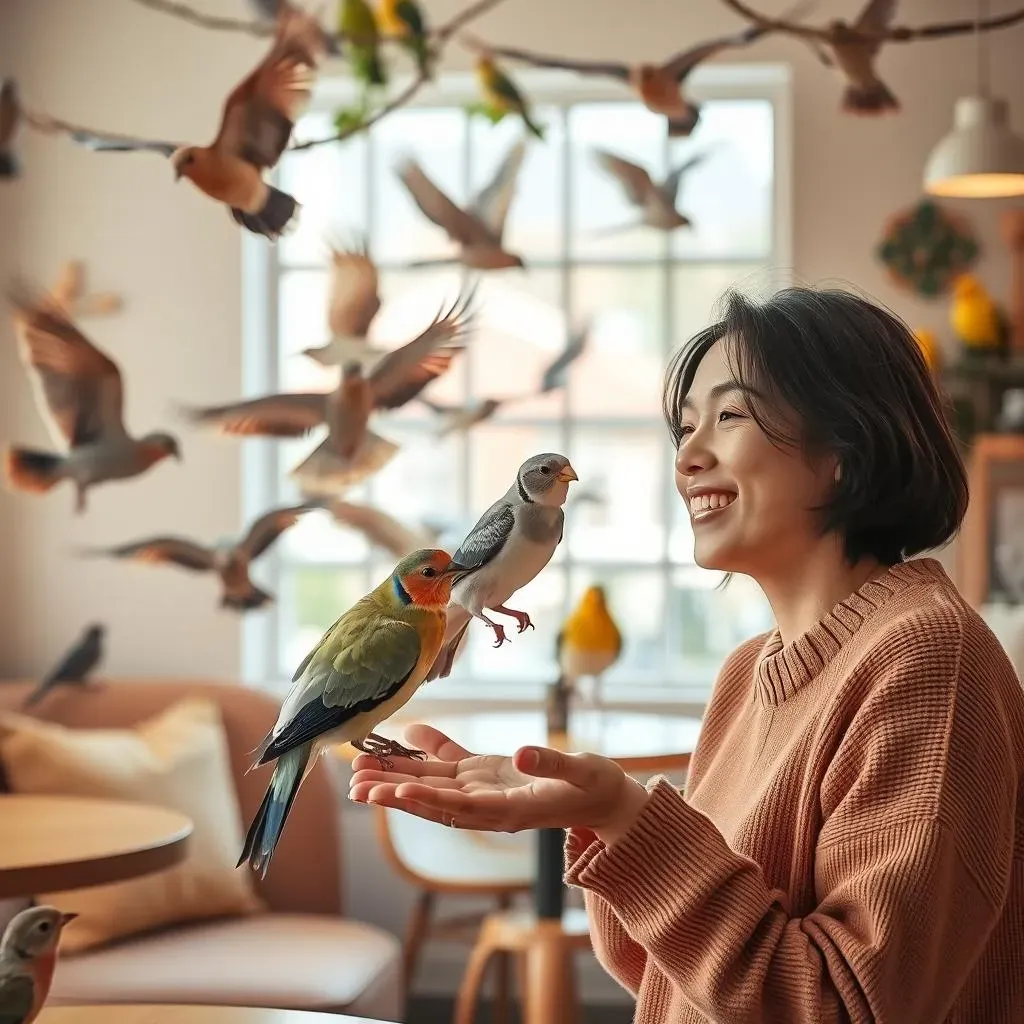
[850, 846]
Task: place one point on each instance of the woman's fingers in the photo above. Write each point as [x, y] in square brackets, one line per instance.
[435, 743]
[372, 775]
[580, 770]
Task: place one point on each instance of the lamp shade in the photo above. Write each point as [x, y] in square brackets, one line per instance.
[981, 157]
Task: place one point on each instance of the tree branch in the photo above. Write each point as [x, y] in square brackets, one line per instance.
[896, 34]
[262, 29]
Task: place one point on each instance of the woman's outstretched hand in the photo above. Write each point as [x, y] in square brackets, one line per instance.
[535, 788]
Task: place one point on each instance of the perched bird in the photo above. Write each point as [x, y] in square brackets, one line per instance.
[359, 26]
[79, 394]
[10, 115]
[256, 124]
[509, 545]
[656, 203]
[365, 667]
[589, 642]
[229, 558]
[28, 956]
[855, 57]
[478, 229]
[74, 666]
[382, 529]
[975, 317]
[351, 451]
[353, 300]
[404, 19]
[501, 95]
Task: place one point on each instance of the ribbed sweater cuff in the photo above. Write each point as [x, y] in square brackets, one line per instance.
[666, 861]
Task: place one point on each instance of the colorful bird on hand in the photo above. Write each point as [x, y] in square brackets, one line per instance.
[478, 228]
[10, 116]
[256, 125]
[976, 319]
[502, 96]
[656, 203]
[229, 558]
[404, 19]
[589, 642]
[359, 26]
[365, 667]
[28, 957]
[75, 665]
[80, 395]
[506, 549]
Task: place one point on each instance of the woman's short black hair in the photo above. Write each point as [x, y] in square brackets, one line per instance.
[857, 382]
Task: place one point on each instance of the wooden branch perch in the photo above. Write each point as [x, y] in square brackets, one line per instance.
[896, 34]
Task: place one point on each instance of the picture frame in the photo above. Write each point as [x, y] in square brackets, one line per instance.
[990, 562]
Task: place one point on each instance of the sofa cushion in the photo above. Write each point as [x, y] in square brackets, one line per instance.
[292, 961]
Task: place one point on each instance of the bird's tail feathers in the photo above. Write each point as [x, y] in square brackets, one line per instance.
[874, 98]
[248, 600]
[265, 831]
[325, 471]
[29, 469]
[279, 213]
[682, 127]
[257, 752]
[9, 167]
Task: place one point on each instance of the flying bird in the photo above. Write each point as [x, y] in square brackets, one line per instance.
[80, 394]
[855, 57]
[365, 667]
[74, 666]
[10, 116]
[556, 373]
[256, 124]
[506, 549]
[229, 558]
[656, 203]
[381, 529]
[28, 955]
[477, 229]
[589, 642]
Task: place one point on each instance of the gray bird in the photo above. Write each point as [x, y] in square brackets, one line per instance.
[29, 950]
[230, 558]
[477, 229]
[656, 203]
[10, 115]
[74, 666]
[506, 549]
[80, 395]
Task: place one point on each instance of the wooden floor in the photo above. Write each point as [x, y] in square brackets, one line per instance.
[431, 1010]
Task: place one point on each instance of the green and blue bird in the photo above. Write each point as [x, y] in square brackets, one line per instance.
[365, 667]
[404, 20]
[501, 96]
[359, 26]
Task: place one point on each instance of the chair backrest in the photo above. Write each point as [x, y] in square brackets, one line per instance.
[305, 875]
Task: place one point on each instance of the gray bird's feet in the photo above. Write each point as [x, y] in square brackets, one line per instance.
[522, 619]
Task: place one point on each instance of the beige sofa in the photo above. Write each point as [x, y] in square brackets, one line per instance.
[303, 954]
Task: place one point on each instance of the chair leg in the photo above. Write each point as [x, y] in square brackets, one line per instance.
[503, 974]
[469, 990]
[415, 935]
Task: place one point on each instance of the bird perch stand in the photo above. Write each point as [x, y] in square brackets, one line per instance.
[1013, 236]
[69, 292]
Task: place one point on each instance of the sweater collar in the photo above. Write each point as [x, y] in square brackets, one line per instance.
[784, 669]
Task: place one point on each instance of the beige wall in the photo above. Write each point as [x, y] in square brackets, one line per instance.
[175, 258]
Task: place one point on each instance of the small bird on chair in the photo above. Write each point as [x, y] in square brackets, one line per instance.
[28, 956]
[74, 667]
[589, 643]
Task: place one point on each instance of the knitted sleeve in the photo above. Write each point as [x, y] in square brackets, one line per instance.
[912, 864]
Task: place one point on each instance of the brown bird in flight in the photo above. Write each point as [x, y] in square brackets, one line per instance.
[10, 115]
[256, 124]
[655, 203]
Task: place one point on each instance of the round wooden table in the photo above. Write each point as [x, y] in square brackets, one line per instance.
[55, 843]
[127, 1013]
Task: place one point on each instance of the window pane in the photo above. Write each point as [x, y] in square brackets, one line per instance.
[636, 600]
[728, 196]
[626, 467]
[629, 130]
[435, 139]
[697, 290]
[534, 227]
[330, 182]
[302, 323]
[620, 370]
[705, 624]
[309, 600]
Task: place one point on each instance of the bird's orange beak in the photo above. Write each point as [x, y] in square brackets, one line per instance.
[67, 919]
[566, 474]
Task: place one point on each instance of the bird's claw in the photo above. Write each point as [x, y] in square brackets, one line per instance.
[499, 634]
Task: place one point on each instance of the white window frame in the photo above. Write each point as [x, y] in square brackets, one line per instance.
[260, 283]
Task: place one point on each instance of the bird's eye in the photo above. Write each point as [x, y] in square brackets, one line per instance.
[429, 571]
[44, 926]
[545, 469]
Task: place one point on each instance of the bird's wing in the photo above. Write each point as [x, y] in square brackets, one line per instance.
[876, 16]
[287, 415]
[461, 226]
[490, 206]
[361, 661]
[17, 992]
[176, 550]
[670, 187]
[488, 536]
[401, 375]
[635, 181]
[9, 109]
[78, 387]
[261, 111]
[379, 528]
[679, 66]
[74, 663]
[554, 375]
[110, 143]
[353, 299]
[581, 67]
[265, 530]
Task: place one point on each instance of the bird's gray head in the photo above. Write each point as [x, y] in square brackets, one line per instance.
[34, 932]
[545, 479]
[162, 445]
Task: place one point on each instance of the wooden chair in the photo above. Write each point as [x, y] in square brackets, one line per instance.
[441, 861]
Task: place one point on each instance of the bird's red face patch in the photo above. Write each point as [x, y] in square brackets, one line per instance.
[428, 586]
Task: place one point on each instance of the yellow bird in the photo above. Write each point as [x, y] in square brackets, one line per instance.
[404, 20]
[590, 642]
[929, 345]
[974, 316]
